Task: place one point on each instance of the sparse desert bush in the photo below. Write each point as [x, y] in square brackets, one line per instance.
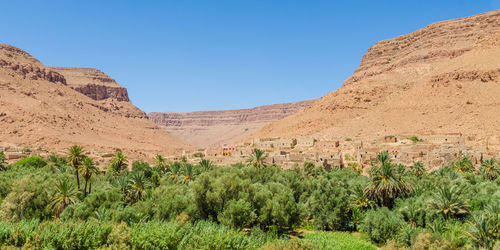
[198, 155]
[415, 139]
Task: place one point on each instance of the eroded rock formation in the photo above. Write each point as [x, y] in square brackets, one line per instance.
[93, 83]
[208, 128]
[439, 80]
[41, 109]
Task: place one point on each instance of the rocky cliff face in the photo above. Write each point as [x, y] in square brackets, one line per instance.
[41, 109]
[93, 83]
[441, 79]
[21, 64]
[208, 128]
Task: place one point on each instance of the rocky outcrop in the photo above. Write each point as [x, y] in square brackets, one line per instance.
[207, 128]
[438, 41]
[444, 78]
[266, 113]
[93, 83]
[40, 108]
[22, 64]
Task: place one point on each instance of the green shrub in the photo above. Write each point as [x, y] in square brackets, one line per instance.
[33, 161]
[3, 163]
[28, 199]
[381, 225]
[328, 204]
[107, 199]
[198, 155]
[167, 202]
[238, 214]
[408, 235]
[415, 139]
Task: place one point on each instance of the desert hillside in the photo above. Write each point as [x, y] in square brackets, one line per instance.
[442, 79]
[210, 128]
[53, 108]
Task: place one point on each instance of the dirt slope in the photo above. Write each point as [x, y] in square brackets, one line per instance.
[444, 78]
[41, 109]
[209, 128]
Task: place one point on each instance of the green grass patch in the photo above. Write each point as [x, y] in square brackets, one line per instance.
[337, 240]
[415, 139]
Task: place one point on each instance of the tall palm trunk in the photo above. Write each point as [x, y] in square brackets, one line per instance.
[77, 178]
[85, 188]
[90, 187]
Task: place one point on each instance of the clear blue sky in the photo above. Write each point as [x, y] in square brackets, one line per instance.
[203, 55]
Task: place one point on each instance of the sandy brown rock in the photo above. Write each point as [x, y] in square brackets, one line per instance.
[45, 112]
[210, 128]
[93, 83]
[442, 79]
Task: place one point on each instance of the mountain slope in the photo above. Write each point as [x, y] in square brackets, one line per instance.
[40, 108]
[444, 78]
[210, 128]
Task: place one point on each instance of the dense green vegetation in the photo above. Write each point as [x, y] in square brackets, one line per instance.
[68, 203]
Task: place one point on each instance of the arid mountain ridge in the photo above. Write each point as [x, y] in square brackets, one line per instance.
[211, 128]
[442, 79]
[52, 108]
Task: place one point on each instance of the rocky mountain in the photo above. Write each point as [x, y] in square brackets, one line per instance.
[442, 79]
[53, 108]
[210, 128]
[93, 83]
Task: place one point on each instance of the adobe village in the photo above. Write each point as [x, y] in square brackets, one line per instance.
[432, 150]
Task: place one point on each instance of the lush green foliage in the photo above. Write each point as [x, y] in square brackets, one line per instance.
[381, 224]
[189, 206]
[337, 240]
[33, 162]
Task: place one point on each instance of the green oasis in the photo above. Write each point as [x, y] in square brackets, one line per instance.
[67, 202]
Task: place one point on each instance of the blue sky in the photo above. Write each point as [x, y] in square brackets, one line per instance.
[205, 55]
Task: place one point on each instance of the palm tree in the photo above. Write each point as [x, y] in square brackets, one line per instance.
[483, 231]
[205, 164]
[122, 183]
[56, 161]
[119, 162]
[412, 213]
[160, 162]
[387, 182]
[2, 161]
[65, 195]
[490, 169]
[384, 157]
[257, 158]
[175, 169]
[418, 169]
[138, 183]
[464, 165]
[75, 157]
[449, 202]
[88, 169]
[359, 199]
[188, 173]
